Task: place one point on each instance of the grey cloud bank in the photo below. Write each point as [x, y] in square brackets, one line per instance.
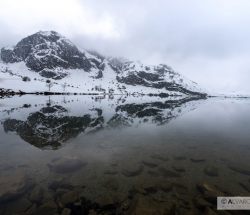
[207, 41]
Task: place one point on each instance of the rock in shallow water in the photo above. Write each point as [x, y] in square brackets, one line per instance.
[132, 170]
[160, 196]
[180, 188]
[69, 198]
[211, 171]
[19, 206]
[178, 168]
[111, 184]
[201, 203]
[197, 159]
[143, 205]
[245, 186]
[179, 157]
[153, 173]
[210, 192]
[59, 184]
[31, 210]
[240, 169]
[66, 211]
[106, 201]
[159, 157]
[146, 187]
[149, 164]
[48, 208]
[66, 165]
[36, 195]
[168, 173]
[111, 172]
[14, 185]
[209, 211]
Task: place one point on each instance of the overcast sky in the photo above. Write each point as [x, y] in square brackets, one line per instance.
[207, 41]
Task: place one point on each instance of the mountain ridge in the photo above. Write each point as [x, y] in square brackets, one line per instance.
[54, 57]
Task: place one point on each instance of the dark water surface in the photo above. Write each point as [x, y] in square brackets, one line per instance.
[122, 155]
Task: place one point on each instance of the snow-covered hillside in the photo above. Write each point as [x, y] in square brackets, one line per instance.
[47, 61]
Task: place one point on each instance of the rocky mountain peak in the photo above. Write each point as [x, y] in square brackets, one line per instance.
[46, 50]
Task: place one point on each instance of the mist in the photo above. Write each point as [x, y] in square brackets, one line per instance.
[207, 41]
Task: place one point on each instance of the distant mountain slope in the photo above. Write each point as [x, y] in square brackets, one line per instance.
[48, 55]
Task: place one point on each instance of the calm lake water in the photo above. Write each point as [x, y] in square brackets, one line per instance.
[122, 155]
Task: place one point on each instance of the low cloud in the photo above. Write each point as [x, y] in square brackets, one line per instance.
[207, 41]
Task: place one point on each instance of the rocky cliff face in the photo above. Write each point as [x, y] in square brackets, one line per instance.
[44, 51]
[52, 56]
[159, 77]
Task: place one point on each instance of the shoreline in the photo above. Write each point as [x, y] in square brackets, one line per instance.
[4, 93]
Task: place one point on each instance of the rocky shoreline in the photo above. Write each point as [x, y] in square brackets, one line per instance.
[9, 93]
[4, 93]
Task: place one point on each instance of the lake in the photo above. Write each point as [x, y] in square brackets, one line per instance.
[122, 155]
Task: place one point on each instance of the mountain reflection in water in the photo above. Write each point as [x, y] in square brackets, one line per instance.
[49, 127]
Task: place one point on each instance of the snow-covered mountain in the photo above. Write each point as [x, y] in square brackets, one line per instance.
[48, 61]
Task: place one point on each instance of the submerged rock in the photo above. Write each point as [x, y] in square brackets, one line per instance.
[59, 184]
[106, 200]
[60, 192]
[36, 195]
[66, 165]
[69, 198]
[178, 168]
[197, 159]
[31, 210]
[180, 157]
[168, 173]
[209, 211]
[48, 208]
[240, 169]
[143, 205]
[201, 203]
[133, 170]
[211, 171]
[92, 212]
[146, 187]
[66, 211]
[111, 184]
[246, 186]
[125, 204]
[19, 206]
[180, 188]
[149, 164]
[153, 173]
[14, 185]
[166, 186]
[210, 192]
[111, 172]
[159, 157]
[161, 196]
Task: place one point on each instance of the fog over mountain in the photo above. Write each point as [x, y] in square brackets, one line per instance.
[206, 41]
